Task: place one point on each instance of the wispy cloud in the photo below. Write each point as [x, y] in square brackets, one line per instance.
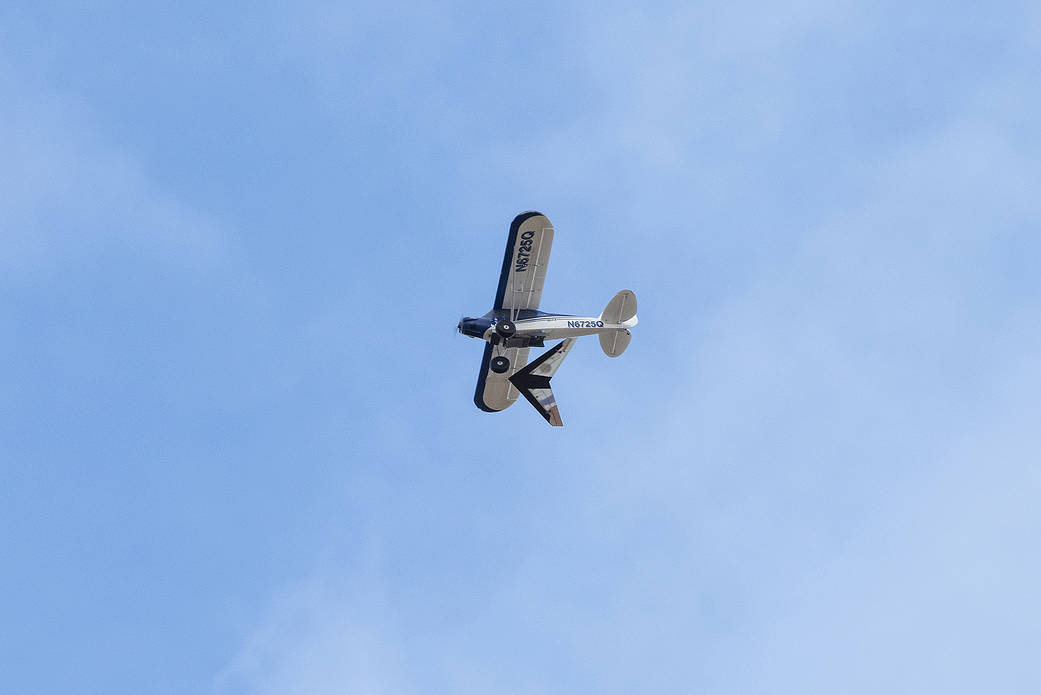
[70, 194]
[321, 638]
[824, 482]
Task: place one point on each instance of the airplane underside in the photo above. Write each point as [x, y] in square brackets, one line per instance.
[515, 325]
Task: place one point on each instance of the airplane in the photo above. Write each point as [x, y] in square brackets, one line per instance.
[515, 324]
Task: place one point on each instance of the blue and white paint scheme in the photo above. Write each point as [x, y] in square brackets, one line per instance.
[515, 324]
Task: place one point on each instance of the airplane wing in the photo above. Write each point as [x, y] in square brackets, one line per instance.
[494, 391]
[533, 381]
[525, 262]
[520, 287]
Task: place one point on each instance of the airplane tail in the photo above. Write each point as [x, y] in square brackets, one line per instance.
[533, 381]
[621, 309]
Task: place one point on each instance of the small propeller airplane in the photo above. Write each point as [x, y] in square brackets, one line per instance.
[515, 324]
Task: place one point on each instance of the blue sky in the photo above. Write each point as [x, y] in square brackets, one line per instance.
[238, 449]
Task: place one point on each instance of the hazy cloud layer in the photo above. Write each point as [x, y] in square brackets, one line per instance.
[824, 479]
[69, 195]
[812, 471]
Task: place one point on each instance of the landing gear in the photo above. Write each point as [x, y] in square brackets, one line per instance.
[505, 335]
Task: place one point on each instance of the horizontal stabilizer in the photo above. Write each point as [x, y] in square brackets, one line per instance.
[533, 381]
[622, 307]
[614, 342]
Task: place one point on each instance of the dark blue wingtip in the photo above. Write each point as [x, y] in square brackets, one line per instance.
[507, 260]
[481, 379]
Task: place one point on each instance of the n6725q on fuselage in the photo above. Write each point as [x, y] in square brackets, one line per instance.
[515, 324]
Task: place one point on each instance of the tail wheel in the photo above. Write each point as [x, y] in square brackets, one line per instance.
[500, 364]
[506, 328]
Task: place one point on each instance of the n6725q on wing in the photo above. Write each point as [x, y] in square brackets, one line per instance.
[515, 324]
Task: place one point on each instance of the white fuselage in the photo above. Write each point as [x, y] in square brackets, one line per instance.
[557, 327]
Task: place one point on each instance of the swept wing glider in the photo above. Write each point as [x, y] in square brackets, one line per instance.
[515, 324]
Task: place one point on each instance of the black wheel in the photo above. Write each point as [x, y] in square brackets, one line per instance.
[506, 328]
[500, 364]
